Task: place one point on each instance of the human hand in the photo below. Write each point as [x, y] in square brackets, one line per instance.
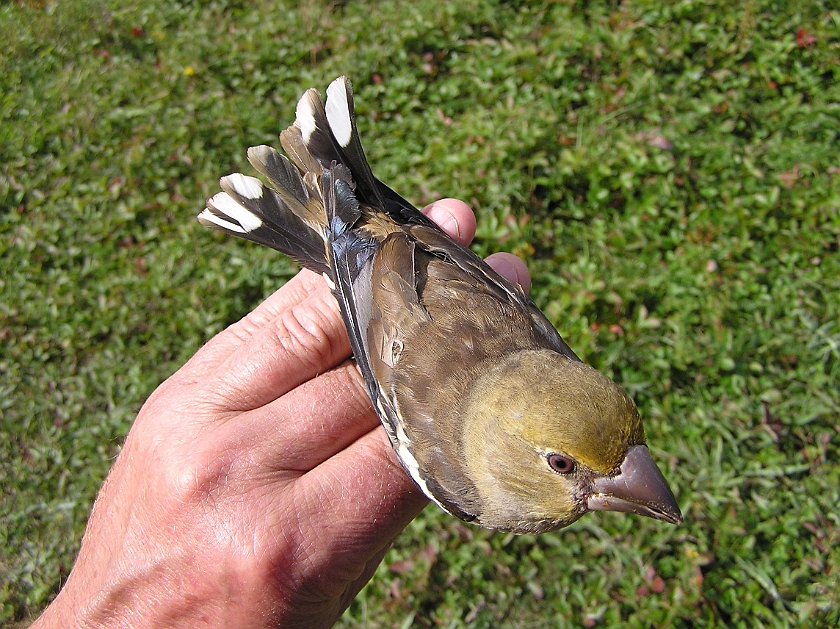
[256, 487]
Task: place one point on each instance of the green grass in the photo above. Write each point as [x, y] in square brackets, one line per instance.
[670, 172]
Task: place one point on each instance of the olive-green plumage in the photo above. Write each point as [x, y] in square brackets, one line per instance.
[567, 408]
[488, 409]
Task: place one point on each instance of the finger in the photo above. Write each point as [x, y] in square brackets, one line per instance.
[220, 347]
[354, 504]
[299, 343]
[308, 425]
[454, 217]
[291, 347]
[511, 267]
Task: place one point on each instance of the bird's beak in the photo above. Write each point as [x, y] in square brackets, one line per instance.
[639, 487]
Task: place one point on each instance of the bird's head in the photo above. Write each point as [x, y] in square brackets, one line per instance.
[549, 438]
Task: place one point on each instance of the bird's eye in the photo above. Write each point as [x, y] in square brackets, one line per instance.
[561, 464]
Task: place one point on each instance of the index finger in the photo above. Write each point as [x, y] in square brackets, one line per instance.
[454, 217]
[219, 348]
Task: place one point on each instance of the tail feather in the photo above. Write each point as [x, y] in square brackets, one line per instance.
[292, 216]
[348, 253]
[296, 139]
[327, 134]
[249, 210]
[303, 198]
[341, 119]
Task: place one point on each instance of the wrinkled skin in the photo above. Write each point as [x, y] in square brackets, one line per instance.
[256, 487]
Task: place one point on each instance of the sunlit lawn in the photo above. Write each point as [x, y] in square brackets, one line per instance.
[670, 172]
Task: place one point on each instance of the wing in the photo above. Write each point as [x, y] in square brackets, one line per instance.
[422, 312]
[436, 314]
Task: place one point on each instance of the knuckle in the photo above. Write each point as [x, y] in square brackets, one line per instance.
[349, 386]
[310, 334]
[202, 479]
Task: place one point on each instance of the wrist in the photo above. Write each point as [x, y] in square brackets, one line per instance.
[181, 591]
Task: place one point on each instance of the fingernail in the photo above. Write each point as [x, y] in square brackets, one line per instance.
[506, 269]
[445, 220]
[509, 266]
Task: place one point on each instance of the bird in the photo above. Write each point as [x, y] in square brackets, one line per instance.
[487, 408]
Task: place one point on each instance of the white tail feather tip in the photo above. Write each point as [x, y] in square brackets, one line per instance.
[226, 205]
[260, 154]
[208, 216]
[338, 112]
[248, 187]
[305, 116]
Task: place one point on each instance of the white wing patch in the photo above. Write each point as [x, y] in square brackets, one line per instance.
[338, 112]
[404, 452]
